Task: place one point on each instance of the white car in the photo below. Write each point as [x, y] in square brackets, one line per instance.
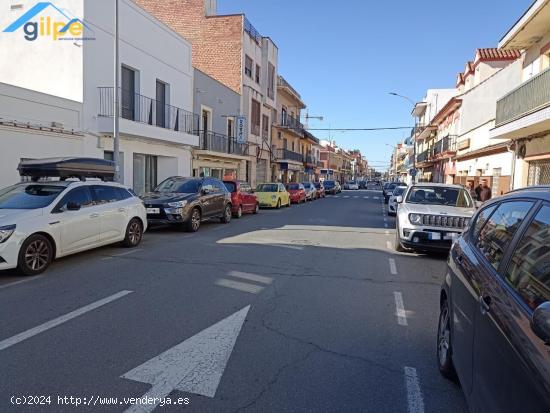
[351, 185]
[42, 221]
[392, 202]
[311, 191]
[431, 216]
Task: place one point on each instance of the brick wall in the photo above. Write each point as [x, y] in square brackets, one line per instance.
[216, 40]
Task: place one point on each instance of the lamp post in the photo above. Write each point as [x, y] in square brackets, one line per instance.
[414, 130]
[116, 126]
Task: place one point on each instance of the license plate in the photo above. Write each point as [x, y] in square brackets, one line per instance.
[153, 210]
[452, 236]
[435, 236]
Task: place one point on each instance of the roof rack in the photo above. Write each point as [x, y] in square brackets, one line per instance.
[63, 168]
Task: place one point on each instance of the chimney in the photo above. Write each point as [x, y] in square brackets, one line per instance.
[210, 7]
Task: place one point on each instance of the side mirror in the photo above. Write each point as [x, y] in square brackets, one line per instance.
[540, 322]
[399, 199]
[73, 206]
[478, 204]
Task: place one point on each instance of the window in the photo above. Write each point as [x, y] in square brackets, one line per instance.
[529, 269]
[80, 196]
[125, 193]
[29, 196]
[258, 69]
[220, 187]
[500, 228]
[106, 194]
[248, 66]
[145, 173]
[265, 126]
[255, 116]
[270, 81]
[161, 104]
[128, 91]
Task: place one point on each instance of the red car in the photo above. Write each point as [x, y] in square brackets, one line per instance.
[297, 193]
[243, 200]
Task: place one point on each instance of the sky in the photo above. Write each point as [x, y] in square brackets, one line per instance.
[345, 57]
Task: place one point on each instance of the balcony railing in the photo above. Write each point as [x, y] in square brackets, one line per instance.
[447, 144]
[527, 98]
[291, 122]
[215, 142]
[285, 154]
[251, 30]
[310, 160]
[143, 109]
[423, 156]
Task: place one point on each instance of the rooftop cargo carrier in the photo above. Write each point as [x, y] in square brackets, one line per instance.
[64, 168]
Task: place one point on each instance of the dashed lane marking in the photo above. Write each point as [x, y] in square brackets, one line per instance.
[400, 309]
[415, 400]
[393, 266]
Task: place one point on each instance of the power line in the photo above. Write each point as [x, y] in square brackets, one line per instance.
[361, 129]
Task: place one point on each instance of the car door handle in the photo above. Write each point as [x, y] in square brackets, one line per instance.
[95, 215]
[484, 304]
[122, 210]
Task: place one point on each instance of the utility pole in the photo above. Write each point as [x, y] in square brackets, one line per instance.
[116, 123]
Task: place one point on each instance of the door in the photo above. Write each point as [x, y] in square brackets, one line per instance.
[498, 375]
[112, 211]
[128, 90]
[464, 295]
[248, 199]
[220, 196]
[208, 199]
[78, 229]
[161, 104]
[145, 173]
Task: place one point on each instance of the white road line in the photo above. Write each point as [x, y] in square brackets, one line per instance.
[26, 280]
[133, 251]
[365, 197]
[236, 285]
[251, 277]
[393, 267]
[415, 400]
[4, 344]
[346, 196]
[400, 309]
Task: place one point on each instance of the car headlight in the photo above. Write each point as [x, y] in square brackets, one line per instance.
[5, 232]
[179, 204]
[415, 219]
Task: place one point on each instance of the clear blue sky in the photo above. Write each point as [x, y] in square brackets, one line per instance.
[344, 57]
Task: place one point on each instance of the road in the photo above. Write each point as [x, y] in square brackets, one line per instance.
[300, 309]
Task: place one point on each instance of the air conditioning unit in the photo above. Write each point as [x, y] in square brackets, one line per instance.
[57, 125]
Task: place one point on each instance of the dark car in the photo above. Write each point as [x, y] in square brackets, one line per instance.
[388, 190]
[187, 202]
[362, 184]
[243, 199]
[331, 187]
[494, 324]
[320, 190]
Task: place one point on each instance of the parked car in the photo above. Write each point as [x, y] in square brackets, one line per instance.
[321, 193]
[311, 191]
[273, 195]
[388, 191]
[392, 203]
[243, 199]
[362, 184]
[351, 185]
[494, 323]
[431, 216]
[44, 220]
[187, 202]
[331, 187]
[297, 192]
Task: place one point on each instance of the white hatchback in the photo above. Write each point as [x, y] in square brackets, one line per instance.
[41, 221]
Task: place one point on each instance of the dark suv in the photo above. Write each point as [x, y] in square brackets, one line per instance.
[494, 324]
[187, 202]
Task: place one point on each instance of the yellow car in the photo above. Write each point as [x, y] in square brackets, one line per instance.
[272, 195]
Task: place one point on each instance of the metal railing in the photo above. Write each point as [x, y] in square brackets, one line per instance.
[285, 154]
[291, 122]
[310, 160]
[143, 109]
[216, 142]
[527, 98]
[251, 30]
[281, 82]
[423, 156]
[447, 144]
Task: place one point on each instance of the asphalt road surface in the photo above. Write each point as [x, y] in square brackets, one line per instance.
[292, 310]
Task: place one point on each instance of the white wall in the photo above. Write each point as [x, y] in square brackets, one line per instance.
[44, 65]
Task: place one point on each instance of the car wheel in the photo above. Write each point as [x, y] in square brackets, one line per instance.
[194, 222]
[444, 349]
[134, 234]
[398, 246]
[239, 212]
[278, 204]
[257, 209]
[226, 217]
[35, 255]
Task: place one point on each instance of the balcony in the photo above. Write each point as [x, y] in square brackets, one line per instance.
[251, 30]
[215, 142]
[528, 98]
[423, 157]
[286, 155]
[290, 122]
[309, 160]
[445, 146]
[145, 110]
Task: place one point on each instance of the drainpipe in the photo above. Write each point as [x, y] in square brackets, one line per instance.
[513, 148]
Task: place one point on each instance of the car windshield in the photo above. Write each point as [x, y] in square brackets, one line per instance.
[268, 188]
[439, 195]
[29, 196]
[399, 190]
[306, 185]
[231, 187]
[184, 186]
[352, 182]
[329, 183]
[293, 187]
[318, 185]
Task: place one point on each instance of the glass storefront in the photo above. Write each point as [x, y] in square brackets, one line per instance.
[145, 173]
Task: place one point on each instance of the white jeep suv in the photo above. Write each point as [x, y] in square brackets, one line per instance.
[41, 221]
[431, 216]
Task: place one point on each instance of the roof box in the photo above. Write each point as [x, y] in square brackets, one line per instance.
[63, 168]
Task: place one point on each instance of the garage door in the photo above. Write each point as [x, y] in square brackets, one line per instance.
[261, 171]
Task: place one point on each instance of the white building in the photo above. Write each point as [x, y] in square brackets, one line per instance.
[70, 82]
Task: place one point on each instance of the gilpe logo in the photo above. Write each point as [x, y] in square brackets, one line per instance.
[62, 27]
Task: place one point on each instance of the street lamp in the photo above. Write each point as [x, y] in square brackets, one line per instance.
[414, 130]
